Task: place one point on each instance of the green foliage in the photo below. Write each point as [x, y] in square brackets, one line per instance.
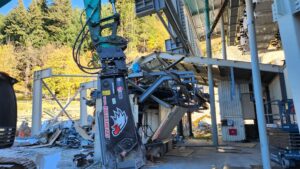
[37, 35]
[8, 60]
[145, 35]
[16, 25]
[58, 20]
[60, 60]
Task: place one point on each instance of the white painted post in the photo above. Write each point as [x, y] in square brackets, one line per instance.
[37, 99]
[36, 104]
[264, 145]
[210, 77]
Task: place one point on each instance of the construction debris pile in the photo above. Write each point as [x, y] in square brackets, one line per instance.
[67, 134]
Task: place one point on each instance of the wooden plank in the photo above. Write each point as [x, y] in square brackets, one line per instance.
[52, 139]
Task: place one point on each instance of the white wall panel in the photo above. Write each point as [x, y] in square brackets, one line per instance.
[231, 110]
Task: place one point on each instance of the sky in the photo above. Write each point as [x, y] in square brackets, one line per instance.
[13, 3]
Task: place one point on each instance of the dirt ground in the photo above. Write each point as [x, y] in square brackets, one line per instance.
[188, 157]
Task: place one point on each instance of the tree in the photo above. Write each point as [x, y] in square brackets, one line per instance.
[37, 36]
[27, 58]
[8, 60]
[2, 24]
[61, 61]
[16, 25]
[58, 20]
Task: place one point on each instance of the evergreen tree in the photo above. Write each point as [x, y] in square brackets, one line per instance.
[2, 36]
[36, 13]
[16, 25]
[58, 20]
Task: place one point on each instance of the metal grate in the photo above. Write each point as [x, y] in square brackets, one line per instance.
[284, 140]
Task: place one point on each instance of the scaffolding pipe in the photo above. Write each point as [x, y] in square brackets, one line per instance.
[265, 155]
[224, 50]
[210, 77]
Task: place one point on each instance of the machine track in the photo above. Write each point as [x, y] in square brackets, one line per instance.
[16, 163]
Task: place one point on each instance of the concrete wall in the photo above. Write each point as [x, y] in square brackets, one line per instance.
[247, 105]
[288, 88]
[275, 94]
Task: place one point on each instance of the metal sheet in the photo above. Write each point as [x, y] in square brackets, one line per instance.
[168, 123]
[239, 126]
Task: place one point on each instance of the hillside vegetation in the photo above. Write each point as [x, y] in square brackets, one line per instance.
[42, 36]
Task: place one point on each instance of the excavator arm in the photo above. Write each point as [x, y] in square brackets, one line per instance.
[116, 122]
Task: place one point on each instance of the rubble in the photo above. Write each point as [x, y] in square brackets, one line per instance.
[26, 141]
[24, 130]
[67, 134]
[72, 135]
[84, 159]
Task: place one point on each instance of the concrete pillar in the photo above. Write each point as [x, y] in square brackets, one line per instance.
[83, 107]
[264, 146]
[36, 104]
[37, 96]
[83, 95]
[210, 77]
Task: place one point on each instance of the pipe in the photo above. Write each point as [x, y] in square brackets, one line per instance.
[159, 101]
[152, 88]
[210, 77]
[265, 154]
[175, 63]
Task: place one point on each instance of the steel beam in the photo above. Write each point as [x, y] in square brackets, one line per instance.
[67, 104]
[286, 13]
[174, 21]
[264, 146]
[159, 101]
[219, 15]
[210, 77]
[57, 101]
[196, 60]
[224, 50]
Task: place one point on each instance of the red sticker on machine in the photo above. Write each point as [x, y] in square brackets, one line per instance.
[106, 122]
[120, 120]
